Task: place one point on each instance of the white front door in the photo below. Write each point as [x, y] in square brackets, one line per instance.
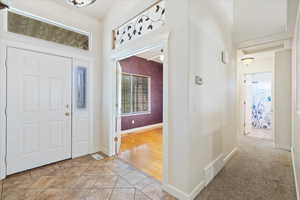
[38, 109]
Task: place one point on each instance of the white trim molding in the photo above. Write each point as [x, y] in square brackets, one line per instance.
[230, 155]
[213, 169]
[182, 195]
[140, 129]
[295, 173]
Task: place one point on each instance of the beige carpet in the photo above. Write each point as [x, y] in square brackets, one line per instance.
[256, 172]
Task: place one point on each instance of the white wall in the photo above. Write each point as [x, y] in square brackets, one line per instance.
[50, 10]
[178, 83]
[202, 122]
[283, 99]
[296, 104]
[212, 106]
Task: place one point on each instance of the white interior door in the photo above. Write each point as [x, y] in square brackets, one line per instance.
[38, 109]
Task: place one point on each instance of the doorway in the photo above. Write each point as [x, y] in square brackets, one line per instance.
[140, 112]
[258, 105]
[39, 122]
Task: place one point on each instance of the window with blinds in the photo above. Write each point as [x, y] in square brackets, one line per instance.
[135, 94]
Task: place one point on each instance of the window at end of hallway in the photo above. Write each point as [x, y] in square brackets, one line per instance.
[135, 94]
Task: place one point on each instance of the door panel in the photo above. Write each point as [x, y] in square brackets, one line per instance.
[82, 127]
[38, 92]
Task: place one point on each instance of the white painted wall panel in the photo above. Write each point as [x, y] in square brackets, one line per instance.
[283, 99]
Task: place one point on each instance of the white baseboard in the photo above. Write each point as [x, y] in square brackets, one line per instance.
[197, 190]
[230, 155]
[2, 172]
[180, 195]
[209, 172]
[213, 169]
[295, 174]
[105, 150]
[139, 129]
[285, 148]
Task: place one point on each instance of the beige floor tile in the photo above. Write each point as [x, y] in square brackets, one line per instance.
[122, 183]
[106, 181]
[140, 196]
[49, 170]
[18, 181]
[122, 194]
[43, 182]
[74, 170]
[154, 191]
[76, 195]
[100, 194]
[50, 194]
[85, 182]
[20, 194]
[77, 180]
[97, 171]
[145, 182]
[134, 177]
[64, 182]
[82, 161]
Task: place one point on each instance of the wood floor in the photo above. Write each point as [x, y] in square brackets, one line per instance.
[144, 151]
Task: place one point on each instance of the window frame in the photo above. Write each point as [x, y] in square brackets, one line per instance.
[47, 21]
[149, 95]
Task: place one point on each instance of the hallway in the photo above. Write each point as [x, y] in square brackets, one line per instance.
[256, 172]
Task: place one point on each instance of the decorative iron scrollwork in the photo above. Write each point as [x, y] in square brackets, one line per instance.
[149, 20]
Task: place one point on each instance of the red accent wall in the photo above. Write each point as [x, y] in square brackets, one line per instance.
[140, 66]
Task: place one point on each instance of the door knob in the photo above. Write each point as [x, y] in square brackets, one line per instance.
[67, 114]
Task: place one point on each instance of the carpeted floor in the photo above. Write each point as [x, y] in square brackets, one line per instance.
[256, 172]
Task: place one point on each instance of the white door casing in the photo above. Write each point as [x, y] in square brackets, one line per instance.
[118, 138]
[247, 104]
[38, 109]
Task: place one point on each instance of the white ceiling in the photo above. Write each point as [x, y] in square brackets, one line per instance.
[153, 54]
[259, 18]
[97, 9]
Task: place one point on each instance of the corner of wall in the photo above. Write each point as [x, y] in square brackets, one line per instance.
[295, 173]
[213, 168]
[182, 195]
[2, 170]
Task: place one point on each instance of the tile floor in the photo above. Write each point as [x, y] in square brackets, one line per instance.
[83, 179]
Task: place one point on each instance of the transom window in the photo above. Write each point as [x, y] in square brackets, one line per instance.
[135, 94]
[43, 29]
